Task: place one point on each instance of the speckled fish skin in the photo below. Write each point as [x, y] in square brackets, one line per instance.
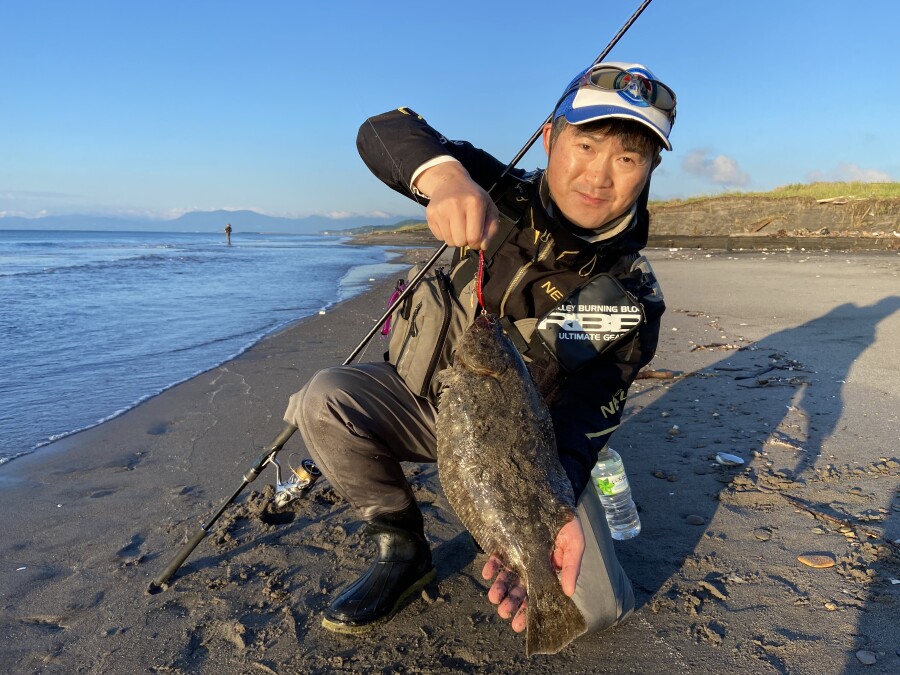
[500, 471]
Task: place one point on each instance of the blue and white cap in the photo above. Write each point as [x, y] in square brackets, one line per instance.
[587, 104]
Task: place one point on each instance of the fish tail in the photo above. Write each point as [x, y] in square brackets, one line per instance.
[553, 619]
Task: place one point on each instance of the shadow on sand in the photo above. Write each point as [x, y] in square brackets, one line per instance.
[777, 413]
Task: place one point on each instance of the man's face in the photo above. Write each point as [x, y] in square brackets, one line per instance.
[592, 178]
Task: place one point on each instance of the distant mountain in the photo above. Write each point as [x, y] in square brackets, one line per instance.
[202, 221]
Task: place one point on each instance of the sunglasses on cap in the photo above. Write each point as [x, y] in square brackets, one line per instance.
[612, 78]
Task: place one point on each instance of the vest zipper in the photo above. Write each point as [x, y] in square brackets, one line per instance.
[542, 253]
[412, 332]
[444, 283]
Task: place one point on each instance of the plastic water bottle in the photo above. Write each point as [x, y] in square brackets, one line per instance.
[611, 482]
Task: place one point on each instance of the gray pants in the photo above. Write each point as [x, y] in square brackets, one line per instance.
[360, 422]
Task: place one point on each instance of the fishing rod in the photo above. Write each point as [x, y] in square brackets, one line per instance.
[515, 160]
[304, 477]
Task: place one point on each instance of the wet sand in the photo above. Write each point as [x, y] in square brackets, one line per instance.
[789, 360]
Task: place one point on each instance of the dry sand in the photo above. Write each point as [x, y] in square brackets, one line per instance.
[789, 360]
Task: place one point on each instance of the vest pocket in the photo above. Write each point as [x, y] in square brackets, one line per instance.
[426, 331]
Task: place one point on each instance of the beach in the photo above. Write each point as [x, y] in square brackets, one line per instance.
[788, 360]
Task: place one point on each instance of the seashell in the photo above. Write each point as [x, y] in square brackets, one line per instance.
[727, 459]
[866, 658]
[816, 561]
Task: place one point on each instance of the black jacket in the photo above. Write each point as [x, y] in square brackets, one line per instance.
[586, 405]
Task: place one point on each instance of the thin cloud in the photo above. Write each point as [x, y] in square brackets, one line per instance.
[37, 203]
[338, 215]
[721, 169]
[22, 214]
[848, 172]
[32, 195]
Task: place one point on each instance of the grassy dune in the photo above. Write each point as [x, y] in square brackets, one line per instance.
[850, 190]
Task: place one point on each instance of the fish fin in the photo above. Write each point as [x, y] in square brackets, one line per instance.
[553, 619]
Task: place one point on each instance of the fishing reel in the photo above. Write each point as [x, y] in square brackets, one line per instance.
[300, 481]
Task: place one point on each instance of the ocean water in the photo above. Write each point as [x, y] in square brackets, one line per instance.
[92, 323]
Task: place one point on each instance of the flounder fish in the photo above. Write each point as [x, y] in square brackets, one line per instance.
[499, 468]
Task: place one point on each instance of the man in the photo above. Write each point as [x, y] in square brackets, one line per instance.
[569, 251]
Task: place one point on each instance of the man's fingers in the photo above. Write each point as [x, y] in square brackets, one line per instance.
[506, 581]
[475, 219]
[507, 592]
[520, 620]
[434, 226]
[567, 555]
[441, 218]
[568, 576]
[459, 211]
[438, 223]
[483, 223]
[491, 567]
[491, 224]
[467, 219]
[513, 601]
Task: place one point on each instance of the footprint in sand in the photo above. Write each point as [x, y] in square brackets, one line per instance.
[131, 553]
[102, 493]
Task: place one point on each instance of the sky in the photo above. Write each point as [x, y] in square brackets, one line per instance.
[153, 109]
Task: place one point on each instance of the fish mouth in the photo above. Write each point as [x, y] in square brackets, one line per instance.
[485, 321]
[478, 370]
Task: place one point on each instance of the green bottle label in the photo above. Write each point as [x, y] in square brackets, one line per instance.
[611, 485]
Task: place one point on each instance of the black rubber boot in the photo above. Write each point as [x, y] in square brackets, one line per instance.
[402, 567]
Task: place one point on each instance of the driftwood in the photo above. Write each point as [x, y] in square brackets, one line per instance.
[659, 374]
[839, 201]
[764, 222]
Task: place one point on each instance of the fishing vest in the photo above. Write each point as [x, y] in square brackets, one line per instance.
[591, 315]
